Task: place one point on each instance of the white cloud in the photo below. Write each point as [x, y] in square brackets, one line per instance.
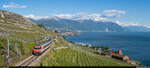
[113, 13]
[127, 23]
[66, 16]
[82, 16]
[77, 16]
[36, 17]
[131, 24]
[12, 5]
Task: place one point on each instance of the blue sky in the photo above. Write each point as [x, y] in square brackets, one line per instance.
[136, 11]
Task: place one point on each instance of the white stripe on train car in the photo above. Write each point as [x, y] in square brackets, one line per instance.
[42, 49]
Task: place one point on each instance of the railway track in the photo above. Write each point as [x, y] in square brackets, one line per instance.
[33, 59]
[28, 61]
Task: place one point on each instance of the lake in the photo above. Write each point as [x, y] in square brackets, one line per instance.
[134, 44]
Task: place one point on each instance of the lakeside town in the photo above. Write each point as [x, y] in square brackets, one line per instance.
[105, 51]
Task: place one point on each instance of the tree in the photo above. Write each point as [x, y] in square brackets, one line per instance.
[1, 45]
[3, 53]
[42, 26]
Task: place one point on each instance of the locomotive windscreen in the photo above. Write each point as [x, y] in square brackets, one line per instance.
[37, 47]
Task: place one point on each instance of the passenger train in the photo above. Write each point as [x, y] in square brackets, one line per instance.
[40, 48]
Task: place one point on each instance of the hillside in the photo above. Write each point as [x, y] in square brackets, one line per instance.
[18, 25]
[22, 35]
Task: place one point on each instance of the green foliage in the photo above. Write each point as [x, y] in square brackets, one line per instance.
[28, 48]
[3, 42]
[1, 46]
[21, 48]
[42, 26]
[1, 60]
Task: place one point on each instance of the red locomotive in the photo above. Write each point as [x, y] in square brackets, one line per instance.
[40, 48]
[36, 50]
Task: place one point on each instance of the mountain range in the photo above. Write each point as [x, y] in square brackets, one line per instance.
[86, 25]
[137, 28]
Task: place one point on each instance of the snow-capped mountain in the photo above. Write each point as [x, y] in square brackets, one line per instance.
[86, 25]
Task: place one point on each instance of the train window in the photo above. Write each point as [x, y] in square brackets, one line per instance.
[45, 46]
[37, 47]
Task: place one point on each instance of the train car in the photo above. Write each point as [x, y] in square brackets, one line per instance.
[40, 48]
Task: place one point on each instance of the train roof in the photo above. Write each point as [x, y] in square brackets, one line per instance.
[43, 42]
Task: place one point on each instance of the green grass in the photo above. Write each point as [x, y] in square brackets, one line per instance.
[76, 55]
[1, 60]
